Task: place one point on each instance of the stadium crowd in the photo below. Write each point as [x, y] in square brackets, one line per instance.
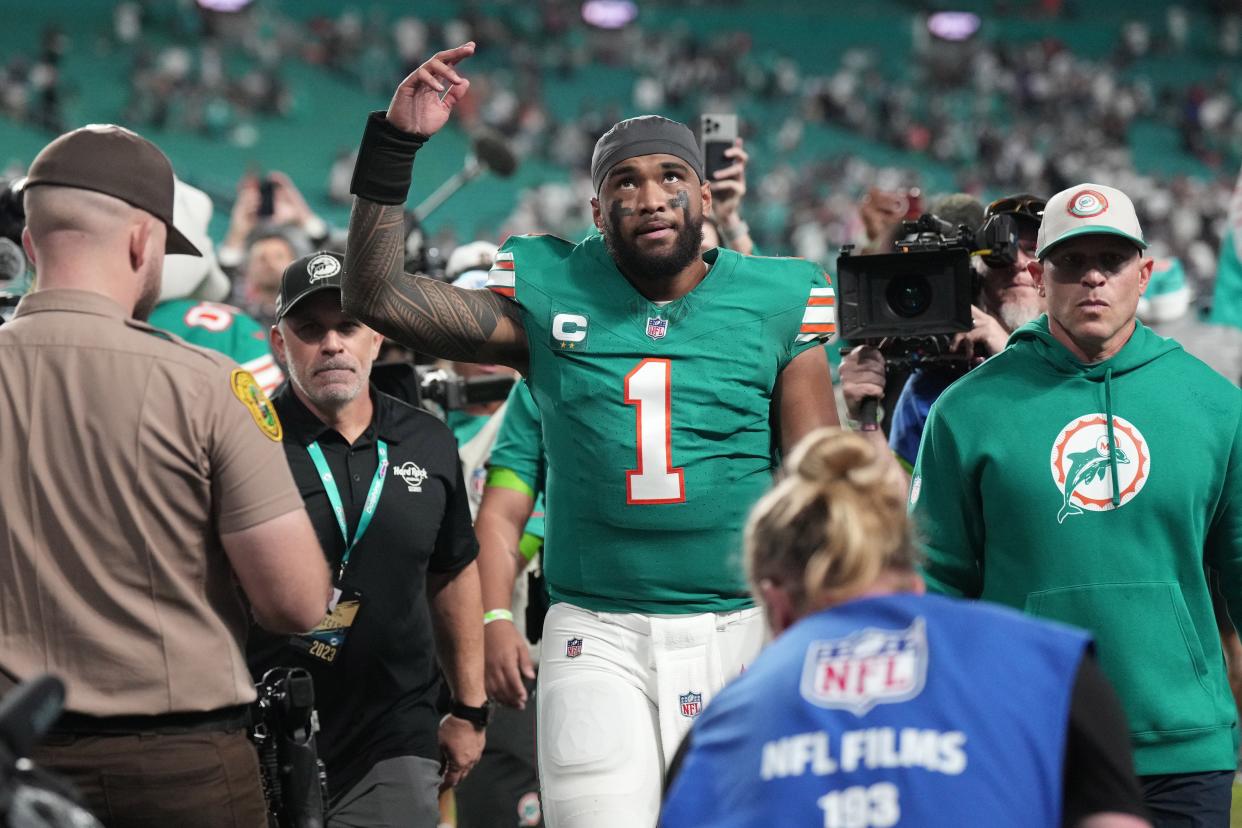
[1031, 116]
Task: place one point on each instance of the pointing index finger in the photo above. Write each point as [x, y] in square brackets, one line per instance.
[451, 56]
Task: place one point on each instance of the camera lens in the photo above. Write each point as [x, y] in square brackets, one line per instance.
[909, 296]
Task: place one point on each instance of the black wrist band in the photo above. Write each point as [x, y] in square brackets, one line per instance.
[385, 162]
[477, 716]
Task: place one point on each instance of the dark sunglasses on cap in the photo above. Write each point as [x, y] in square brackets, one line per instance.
[1020, 205]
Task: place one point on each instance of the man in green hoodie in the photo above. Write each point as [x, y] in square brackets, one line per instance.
[1103, 508]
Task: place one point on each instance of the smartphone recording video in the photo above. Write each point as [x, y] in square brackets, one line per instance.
[716, 134]
[267, 197]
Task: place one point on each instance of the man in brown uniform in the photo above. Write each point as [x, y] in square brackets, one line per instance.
[139, 476]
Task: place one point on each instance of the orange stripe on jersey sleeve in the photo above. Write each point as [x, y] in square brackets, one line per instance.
[824, 328]
[817, 301]
[503, 264]
[503, 291]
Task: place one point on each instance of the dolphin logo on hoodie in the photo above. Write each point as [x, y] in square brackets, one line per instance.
[1086, 466]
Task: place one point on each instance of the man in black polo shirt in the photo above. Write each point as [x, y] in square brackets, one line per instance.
[384, 490]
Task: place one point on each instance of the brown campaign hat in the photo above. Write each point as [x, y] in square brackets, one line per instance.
[114, 161]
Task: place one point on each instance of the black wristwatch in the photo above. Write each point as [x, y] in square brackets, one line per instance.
[477, 716]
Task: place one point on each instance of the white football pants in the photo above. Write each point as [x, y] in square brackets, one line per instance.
[617, 692]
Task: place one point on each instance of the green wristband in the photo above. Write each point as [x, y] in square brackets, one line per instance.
[497, 615]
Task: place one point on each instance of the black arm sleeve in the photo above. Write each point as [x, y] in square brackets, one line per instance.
[1099, 769]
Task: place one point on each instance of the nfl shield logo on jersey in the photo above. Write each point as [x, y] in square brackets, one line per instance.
[867, 668]
[573, 648]
[656, 327]
[691, 704]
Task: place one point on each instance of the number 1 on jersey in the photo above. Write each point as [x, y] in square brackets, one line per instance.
[649, 386]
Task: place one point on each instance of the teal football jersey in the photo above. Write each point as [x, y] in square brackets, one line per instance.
[519, 448]
[656, 417]
[225, 329]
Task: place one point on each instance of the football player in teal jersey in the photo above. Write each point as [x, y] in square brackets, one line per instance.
[667, 380]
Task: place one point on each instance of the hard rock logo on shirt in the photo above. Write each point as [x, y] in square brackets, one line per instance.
[869, 667]
[247, 390]
[1083, 461]
[413, 474]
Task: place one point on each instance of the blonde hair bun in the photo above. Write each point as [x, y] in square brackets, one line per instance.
[828, 456]
[834, 522]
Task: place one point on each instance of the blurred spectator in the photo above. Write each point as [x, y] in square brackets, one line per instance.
[264, 238]
[724, 227]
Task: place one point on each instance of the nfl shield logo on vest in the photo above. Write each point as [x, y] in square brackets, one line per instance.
[691, 704]
[656, 327]
[870, 667]
[573, 648]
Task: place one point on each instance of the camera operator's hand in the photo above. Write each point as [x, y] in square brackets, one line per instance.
[417, 106]
[862, 377]
[985, 339]
[506, 664]
[461, 745]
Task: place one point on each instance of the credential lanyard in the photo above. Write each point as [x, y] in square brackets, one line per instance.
[334, 497]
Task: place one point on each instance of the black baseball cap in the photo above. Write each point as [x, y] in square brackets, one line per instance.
[309, 274]
[1023, 206]
[114, 161]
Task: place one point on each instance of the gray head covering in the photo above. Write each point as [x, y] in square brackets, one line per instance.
[644, 135]
[960, 208]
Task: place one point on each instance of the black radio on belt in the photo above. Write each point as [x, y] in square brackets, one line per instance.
[295, 782]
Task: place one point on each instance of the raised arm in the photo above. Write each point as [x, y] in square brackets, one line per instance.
[421, 313]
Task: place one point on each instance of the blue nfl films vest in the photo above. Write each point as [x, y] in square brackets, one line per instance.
[897, 710]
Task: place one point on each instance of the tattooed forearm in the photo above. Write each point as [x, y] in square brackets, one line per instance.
[420, 313]
[374, 255]
[444, 321]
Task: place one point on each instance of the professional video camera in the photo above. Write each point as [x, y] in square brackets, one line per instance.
[909, 304]
[29, 796]
[295, 782]
[8, 305]
[452, 392]
[13, 265]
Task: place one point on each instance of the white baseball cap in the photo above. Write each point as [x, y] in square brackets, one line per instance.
[477, 255]
[1088, 209]
[193, 276]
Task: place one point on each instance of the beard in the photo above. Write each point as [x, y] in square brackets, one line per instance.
[150, 293]
[327, 397]
[634, 262]
[1015, 314]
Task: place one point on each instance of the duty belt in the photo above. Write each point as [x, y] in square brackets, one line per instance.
[223, 720]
